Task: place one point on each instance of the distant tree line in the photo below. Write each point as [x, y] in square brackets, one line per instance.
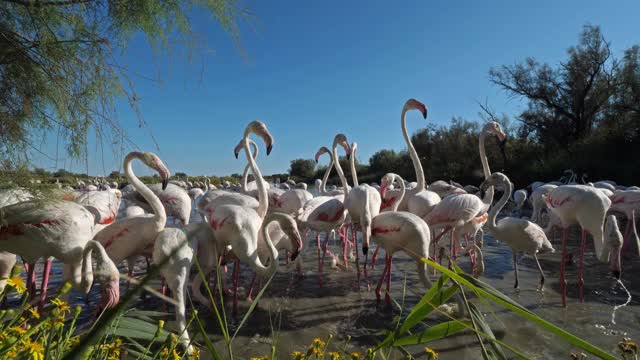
[581, 114]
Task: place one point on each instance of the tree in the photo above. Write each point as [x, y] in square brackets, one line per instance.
[59, 69]
[566, 102]
[115, 174]
[61, 173]
[181, 175]
[302, 168]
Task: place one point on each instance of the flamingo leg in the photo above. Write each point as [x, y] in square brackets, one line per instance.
[354, 235]
[535, 256]
[253, 282]
[387, 296]
[563, 281]
[318, 245]
[625, 238]
[31, 278]
[581, 265]
[374, 257]
[515, 267]
[384, 273]
[45, 283]
[345, 243]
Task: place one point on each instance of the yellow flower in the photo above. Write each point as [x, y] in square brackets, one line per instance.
[36, 351]
[18, 330]
[74, 341]
[62, 306]
[260, 358]
[355, 355]
[175, 355]
[17, 283]
[431, 354]
[297, 355]
[196, 353]
[334, 356]
[318, 343]
[34, 313]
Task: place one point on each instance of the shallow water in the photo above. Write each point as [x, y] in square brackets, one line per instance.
[297, 310]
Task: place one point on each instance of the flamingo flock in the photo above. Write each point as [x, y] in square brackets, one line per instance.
[249, 224]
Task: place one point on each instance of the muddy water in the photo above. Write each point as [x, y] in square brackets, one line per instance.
[295, 310]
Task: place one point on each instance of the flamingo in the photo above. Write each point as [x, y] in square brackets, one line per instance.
[238, 226]
[323, 184]
[61, 229]
[104, 205]
[129, 237]
[521, 235]
[466, 213]
[325, 213]
[400, 230]
[537, 200]
[174, 198]
[273, 193]
[587, 207]
[363, 204]
[519, 197]
[420, 200]
[175, 249]
[444, 189]
[627, 202]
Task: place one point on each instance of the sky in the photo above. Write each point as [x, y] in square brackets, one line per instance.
[312, 69]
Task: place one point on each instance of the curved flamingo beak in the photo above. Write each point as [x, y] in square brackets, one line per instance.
[269, 148]
[501, 136]
[383, 190]
[165, 182]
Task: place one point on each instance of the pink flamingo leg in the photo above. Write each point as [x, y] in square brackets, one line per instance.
[354, 235]
[31, 279]
[374, 257]
[581, 266]
[253, 282]
[384, 273]
[563, 282]
[45, 284]
[345, 242]
[387, 296]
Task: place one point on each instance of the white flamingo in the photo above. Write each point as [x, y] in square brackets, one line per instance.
[134, 236]
[521, 235]
[586, 206]
[627, 202]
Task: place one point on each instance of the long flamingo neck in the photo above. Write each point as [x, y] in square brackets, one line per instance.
[336, 164]
[488, 195]
[262, 191]
[160, 216]
[354, 175]
[245, 174]
[273, 265]
[396, 203]
[325, 178]
[413, 154]
[493, 214]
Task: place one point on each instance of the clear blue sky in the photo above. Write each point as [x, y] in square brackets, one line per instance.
[316, 68]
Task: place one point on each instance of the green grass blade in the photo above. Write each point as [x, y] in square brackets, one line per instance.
[424, 307]
[485, 330]
[488, 291]
[205, 336]
[435, 332]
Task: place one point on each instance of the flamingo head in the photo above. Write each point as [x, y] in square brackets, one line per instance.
[413, 104]
[497, 178]
[341, 139]
[613, 243]
[493, 127]
[238, 148]
[323, 150]
[153, 161]
[260, 129]
[387, 182]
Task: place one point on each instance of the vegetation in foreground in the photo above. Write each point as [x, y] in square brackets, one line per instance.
[26, 333]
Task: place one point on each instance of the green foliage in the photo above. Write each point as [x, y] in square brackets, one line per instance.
[59, 69]
[302, 168]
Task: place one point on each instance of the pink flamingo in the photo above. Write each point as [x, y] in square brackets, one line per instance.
[174, 199]
[273, 193]
[363, 203]
[521, 235]
[61, 229]
[238, 226]
[133, 236]
[325, 213]
[400, 230]
[420, 199]
[627, 202]
[586, 206]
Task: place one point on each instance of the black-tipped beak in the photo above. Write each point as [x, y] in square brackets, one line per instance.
[236, 154]
[348, 156]
[165, 182]
[316, 161]
[365, 250]
[269, 148]
[616, 274]
[294, 255]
